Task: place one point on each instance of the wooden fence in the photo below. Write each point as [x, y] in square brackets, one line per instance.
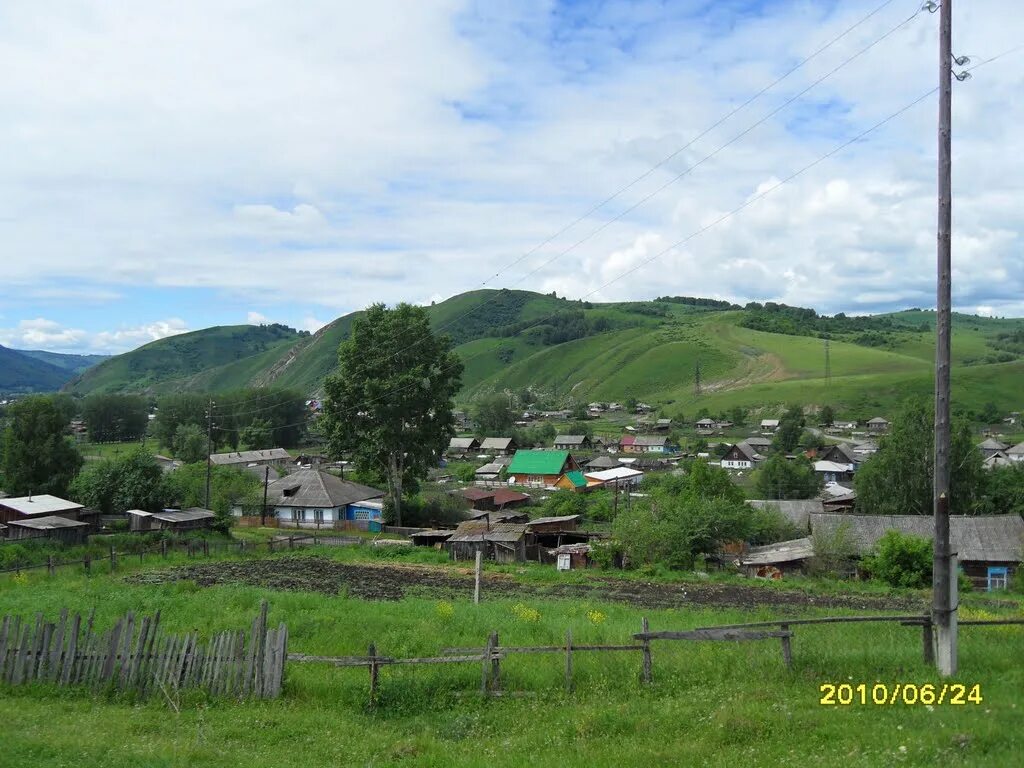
[136, 657]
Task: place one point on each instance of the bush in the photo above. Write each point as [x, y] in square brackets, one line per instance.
[1017, 582]
[834, 553]
[901, 560]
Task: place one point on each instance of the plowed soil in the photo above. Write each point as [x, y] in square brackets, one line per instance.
[390, 581]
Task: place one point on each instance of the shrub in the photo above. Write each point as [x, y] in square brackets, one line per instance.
[834, 553]
[901, 560]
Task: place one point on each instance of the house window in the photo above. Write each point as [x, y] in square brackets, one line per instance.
[360, 514]
[298, 514]
[998, 577]
[318, 515]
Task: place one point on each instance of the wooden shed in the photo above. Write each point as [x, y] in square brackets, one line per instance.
[48, 527]
[171, 519]
[501, 542]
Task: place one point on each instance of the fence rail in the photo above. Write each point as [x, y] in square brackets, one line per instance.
[69, 652]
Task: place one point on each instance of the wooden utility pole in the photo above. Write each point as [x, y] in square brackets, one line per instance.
[209, 449]
[943, 579]
[266, 485]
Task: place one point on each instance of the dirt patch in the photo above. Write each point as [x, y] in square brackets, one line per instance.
[392, 581]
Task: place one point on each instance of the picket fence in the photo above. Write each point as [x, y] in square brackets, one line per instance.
[137, 657]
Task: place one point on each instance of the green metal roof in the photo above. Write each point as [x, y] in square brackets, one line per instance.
[577, 479]
[538, 462]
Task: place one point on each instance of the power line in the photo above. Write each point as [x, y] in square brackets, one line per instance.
[674, 154]
[726, 216]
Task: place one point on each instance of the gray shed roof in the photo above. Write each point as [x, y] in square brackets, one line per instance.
[315, 488]
[474, 530]
[984, 538]
[993, 445]
[463, 443]
[183, 515]
[646, 441]
[782, 552]
[47, 523]
[496, 443]
[1017, 450]
[758, 442]
[797, 511]
[549, 520]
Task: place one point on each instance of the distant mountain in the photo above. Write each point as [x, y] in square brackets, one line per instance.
[21, 373]
[73, 363]
[757, 356]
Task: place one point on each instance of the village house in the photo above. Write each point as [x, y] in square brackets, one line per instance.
[878, 425]
[833, 472]
[647, 444]
[604, 443]
[502, 498]
[991, 447]
[989, 548]
[312, 498]
[627, 444]
[839, 454]
[501, 542]
[272, 456]
[769, 425]
[540, 468]
[498, 446]
[705, 426]
[572, 443]
[461, 446]
[1016, 453]
[575, 480]
[998, 460]
[741, 456]
[38, 505]
[488, 473]
[662, 425]
[602, 462]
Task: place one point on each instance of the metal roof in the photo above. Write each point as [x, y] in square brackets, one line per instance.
[550, 520]
[463, 442]
[645, 440]
[475, 530]
[39, 504]
[183, 515]
[992, 538]
[496, 443]
[571, 439]
[577, 478]
[250, 457]
[538, 462]
[615, 473]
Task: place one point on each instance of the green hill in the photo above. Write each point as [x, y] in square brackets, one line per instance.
[761, 356]
[212, 359]
[73, 363]
[21, 373]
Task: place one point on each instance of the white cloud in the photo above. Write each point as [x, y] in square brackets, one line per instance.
[256, 318]
[311, 324]
[130, 337]
[40, 333]
[357, 152]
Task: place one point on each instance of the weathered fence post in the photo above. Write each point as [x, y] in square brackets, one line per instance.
[928, 641]
[291, 541]
[645, 674]
[787, 646]
[479, 568]
[49, 565]
[568, 660]
[206, 548]
[113, 559]
[163, 547]
[485, 666]
[495, 663]
[372, 653]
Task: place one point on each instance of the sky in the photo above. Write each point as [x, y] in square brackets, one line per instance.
[166, 167]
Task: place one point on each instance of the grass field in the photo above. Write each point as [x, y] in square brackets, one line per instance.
[710, 704]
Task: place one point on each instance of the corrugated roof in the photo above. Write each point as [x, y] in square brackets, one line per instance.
[993, 538]
[475, 530]
[39, 504]
[550, 520]
[538, 462]
[318, 489]
[250, 457]
[615, 473]
[183, 515]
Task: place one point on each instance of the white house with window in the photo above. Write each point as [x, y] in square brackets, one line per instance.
[311, 498]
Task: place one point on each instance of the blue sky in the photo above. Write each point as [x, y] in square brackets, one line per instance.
[233, 163]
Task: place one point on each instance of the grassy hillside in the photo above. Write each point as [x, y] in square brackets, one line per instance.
[72, 363]
[21, 373]
[211, 359]
[758, 357]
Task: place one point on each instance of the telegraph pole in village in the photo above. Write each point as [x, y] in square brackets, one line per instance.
[944, 608]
